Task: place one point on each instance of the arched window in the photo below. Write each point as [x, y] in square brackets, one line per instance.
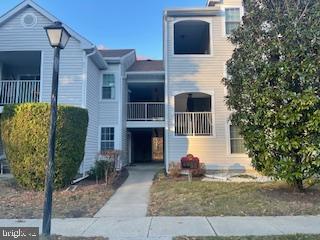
[192, 37]
[193, 114]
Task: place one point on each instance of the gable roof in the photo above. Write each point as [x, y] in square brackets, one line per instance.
[115, 53]
[147, 66]
[85, 44]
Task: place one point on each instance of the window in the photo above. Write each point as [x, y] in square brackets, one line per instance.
[192, 37]
[233, 19]
[108, 86]
[107, 139]
[236, 141]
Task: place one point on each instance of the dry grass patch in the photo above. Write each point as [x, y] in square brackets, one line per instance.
[285, 237]
[178, 197]
[85, 201]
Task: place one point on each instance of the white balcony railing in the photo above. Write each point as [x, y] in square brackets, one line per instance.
[193, 124]
[19, 91]
[145, 111]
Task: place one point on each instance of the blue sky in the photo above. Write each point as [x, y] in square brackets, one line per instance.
[114, 23]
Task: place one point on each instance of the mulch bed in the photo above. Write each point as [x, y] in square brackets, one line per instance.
[84, 201]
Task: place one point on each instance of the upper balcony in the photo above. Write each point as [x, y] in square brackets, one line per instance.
[145, 102]
[19, 77]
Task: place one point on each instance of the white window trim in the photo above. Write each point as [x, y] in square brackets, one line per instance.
[116, 134]
[223, 8]
[206, 19]
[213, 110]
[116, 87]
[228, 138]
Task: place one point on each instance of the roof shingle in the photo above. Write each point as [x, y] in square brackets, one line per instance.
[147, 66]
[114, 53]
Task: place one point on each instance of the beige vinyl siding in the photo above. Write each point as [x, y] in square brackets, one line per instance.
[202, 73]
[92, 141]
[15, 37]
[232, 2]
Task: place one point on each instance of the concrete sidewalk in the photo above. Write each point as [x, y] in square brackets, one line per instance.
[164, 228]
[131, 199]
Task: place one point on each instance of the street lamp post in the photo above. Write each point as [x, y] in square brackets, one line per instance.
[58, 38]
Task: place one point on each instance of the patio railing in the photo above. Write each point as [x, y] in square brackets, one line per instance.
[19, 91]
[145, 111]
[193, 124]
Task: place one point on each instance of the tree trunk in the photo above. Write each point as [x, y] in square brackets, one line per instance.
[298, 185]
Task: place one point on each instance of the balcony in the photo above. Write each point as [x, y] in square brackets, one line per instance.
[19, 91]
[193, 124]
[145, 111]
[20, 73]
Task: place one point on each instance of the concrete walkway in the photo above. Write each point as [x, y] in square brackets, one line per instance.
[131, 199]
[164, 228]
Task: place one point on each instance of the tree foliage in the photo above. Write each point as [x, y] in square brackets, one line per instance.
[274, 87]
[25, 131]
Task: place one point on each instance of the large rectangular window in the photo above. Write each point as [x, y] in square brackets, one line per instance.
[107, 139]
[233, 19]
[236, 141]
[108, 86]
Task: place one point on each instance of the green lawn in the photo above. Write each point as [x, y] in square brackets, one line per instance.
[171, 197]
[287, 237]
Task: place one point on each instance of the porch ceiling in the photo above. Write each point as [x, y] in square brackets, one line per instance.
[21, 58]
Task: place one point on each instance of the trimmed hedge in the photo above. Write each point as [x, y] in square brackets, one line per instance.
[25, 130]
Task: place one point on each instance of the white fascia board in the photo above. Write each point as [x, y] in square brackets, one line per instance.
[192, 12]
[97, 58]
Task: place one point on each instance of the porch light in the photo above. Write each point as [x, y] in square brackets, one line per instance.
[58, 36]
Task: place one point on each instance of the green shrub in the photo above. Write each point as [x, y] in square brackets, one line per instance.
[105, 165]
[25, 130]
[98, 171]
[273, 88]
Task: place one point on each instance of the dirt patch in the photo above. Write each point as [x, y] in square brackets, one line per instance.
[83, 201]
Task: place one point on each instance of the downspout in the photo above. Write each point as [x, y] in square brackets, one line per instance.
[165, 57]
[84, 175]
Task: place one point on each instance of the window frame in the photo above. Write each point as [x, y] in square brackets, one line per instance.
[229, 139]
[101, 141]
[101, 87]
[241, 9]
[204, 19]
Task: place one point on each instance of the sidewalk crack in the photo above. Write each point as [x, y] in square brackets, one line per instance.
[211, 226]
[93, 222]
[149, 227]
